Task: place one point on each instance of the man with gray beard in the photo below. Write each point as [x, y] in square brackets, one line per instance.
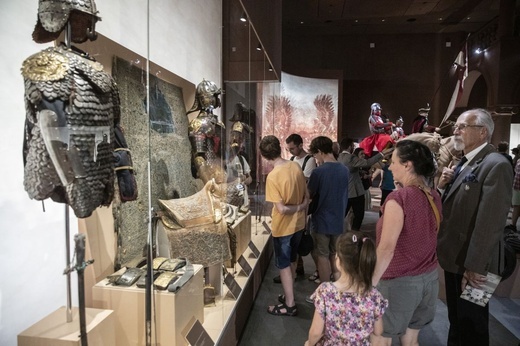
[476, 199]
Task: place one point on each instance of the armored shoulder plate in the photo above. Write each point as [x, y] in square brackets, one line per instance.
[47, 65]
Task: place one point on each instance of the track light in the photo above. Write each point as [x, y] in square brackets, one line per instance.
[243, 17]
[478, 51]
[270, 68]
[259, 47]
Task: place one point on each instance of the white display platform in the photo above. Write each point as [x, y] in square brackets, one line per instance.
[174, 312]
[54, 330]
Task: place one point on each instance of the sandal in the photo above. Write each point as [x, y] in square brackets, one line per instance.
[314, 276]
[277, 310]
[281, 298]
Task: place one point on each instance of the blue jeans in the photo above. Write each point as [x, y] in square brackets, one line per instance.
[286, 249]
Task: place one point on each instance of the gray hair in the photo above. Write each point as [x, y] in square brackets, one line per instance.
[483, 117]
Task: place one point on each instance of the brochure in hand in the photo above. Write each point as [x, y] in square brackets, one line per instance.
[481, 296]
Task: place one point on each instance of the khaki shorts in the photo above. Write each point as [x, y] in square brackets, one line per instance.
[324, 244]
[412, 301]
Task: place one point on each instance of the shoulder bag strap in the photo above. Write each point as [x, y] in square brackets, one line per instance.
[305, 161]
[434, 207]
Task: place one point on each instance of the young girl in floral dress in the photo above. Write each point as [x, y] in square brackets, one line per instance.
[350, 309]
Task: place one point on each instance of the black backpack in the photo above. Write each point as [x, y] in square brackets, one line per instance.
[307, 157]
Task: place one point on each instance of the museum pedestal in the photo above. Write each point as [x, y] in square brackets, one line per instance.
[54, 330]
[225, 321]
[174, 312]
[242, 230]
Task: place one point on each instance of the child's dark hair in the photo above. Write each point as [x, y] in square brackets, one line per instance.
[357, 257]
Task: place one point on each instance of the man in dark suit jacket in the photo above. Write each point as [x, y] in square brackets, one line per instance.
[475, 208]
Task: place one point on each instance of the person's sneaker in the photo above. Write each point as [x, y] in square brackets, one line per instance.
[317, 281]
[309, 300]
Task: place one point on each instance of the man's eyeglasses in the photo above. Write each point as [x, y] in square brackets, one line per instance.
[462, 127]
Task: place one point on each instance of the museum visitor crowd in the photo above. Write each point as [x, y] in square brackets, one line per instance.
[375, 287]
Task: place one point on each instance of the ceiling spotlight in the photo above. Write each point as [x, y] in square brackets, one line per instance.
[270, 68]
[478, 51]
[243, 17]
[259, 47]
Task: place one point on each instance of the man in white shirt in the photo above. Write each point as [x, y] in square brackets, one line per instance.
[294, 144]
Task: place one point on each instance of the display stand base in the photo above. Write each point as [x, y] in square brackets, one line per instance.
[54, 330]
[173, 311]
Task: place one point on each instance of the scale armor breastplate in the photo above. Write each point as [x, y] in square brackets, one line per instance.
[87, 105]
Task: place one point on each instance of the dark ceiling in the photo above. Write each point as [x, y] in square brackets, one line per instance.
[388, 16]
[342, 17]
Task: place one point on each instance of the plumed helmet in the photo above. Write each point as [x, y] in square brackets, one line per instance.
[375, 108]
[53, 15]
[206, 96]
[425, 110]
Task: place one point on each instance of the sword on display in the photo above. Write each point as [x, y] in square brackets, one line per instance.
[79, 252]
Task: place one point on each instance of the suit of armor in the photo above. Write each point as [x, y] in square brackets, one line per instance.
[71, 107]
[398, 131]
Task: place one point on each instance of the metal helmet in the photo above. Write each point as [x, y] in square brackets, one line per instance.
[424, 111]
[206, 96]
[375, 108]
[238, 126]
[238, 112]
[53, 15]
